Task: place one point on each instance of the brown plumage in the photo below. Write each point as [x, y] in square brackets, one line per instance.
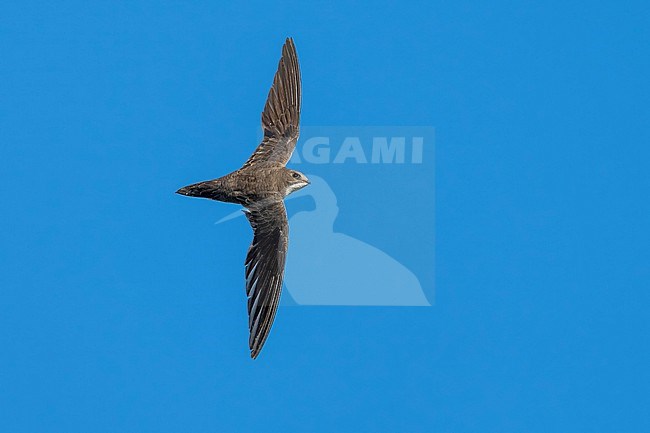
[260, 185]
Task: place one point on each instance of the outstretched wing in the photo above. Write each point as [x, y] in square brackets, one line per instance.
[265, 268]
[281, 115]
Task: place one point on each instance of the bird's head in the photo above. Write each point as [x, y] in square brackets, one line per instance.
[294, 180]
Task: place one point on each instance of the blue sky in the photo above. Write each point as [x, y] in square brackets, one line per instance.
[122, 305]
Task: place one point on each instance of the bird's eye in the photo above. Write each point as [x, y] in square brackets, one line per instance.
[296, 176]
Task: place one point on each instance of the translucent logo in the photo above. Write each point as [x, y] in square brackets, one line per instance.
[363, 232]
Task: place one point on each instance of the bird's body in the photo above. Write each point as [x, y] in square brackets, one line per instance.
[260, 185]
[246, 186]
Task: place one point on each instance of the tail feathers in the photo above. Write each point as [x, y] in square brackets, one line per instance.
[208, 189]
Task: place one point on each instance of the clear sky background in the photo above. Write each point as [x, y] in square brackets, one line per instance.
[122, 305]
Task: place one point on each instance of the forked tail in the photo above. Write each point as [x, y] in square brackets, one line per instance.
[212, 189]
[208, 189]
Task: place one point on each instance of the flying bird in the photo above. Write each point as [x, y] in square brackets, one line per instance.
[261, 185]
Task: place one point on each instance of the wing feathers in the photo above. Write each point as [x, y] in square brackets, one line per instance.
[265, 269]
[281, 115]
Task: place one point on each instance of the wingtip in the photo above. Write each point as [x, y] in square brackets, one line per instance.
[255, 352]
[288, 43]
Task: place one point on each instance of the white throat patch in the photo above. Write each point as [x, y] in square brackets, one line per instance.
[294, 187]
